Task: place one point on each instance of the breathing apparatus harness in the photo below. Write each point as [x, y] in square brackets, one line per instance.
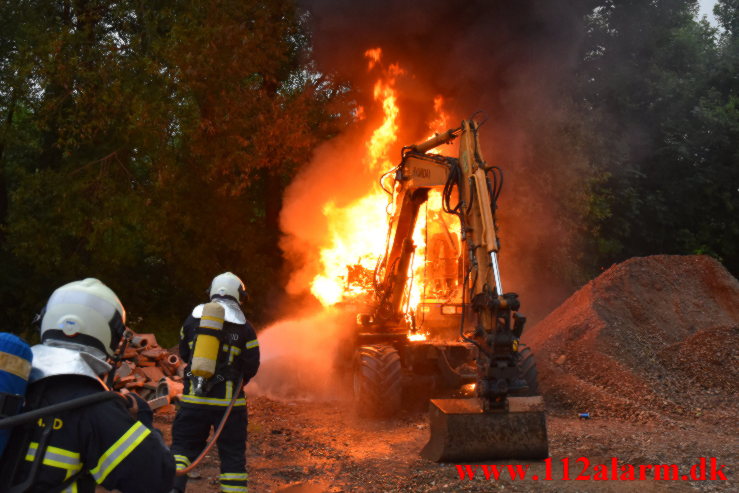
[203, 366]
[206, 352]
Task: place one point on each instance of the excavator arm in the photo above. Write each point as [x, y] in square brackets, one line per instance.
[495, 424]
[498, 325]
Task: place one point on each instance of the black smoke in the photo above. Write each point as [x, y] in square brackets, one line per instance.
[514, 60]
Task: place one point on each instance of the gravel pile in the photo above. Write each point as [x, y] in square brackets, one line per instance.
[652, 336]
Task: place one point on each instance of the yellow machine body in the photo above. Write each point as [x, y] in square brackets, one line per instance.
[506, 419]
[207, 346]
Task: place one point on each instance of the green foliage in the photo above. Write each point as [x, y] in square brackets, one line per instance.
[137, 142]
[662, 87]
[149, 144]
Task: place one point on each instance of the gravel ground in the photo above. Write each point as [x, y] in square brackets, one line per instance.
[312, 447]
[650, 348]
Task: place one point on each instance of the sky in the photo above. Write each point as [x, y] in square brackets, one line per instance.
[706, 8]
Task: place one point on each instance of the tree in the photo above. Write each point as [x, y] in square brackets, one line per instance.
[651, 76]
[136, 139]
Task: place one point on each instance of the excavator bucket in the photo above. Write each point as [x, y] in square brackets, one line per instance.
[462, 432]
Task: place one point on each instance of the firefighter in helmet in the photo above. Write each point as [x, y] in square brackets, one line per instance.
[102, 443]
[202, 406]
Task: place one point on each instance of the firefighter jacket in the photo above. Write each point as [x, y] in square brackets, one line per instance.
[116, 451]
[239, 356]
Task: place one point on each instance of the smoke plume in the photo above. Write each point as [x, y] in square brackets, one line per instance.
[512, 60]
[508, 59]
[297, 358]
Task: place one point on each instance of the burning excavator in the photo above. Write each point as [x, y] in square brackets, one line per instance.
[464, 332]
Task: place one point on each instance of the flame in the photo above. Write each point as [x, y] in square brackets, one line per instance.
[358, 231]
[359, 113]
[432, 209]
[385, 135]
[441, 122]
[374, 55]
[418, 336]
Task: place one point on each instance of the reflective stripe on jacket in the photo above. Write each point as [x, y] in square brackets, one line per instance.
[239, 355]
[103, 439]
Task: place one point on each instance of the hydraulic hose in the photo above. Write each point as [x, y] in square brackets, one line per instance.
[214, 438]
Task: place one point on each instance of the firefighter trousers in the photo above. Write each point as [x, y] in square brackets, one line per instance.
[190, 431]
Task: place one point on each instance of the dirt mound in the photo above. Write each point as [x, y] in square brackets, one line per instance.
[650, 336]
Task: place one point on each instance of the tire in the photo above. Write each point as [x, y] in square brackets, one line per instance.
[527, 369]
[377, 381]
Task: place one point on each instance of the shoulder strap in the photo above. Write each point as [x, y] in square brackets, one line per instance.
[218, 334]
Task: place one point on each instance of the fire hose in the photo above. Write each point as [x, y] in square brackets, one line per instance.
[102, 396]
[216, 434]
[47, 411]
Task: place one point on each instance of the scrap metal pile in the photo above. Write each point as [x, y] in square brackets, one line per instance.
[150, 371]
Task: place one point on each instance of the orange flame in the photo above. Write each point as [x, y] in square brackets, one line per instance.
[359, 113]
[358, 231]
[386, 134]
[441, 122]
[374, 55]
[357, 234]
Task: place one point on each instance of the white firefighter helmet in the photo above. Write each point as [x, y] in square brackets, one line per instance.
[84, 313]
[228, 285]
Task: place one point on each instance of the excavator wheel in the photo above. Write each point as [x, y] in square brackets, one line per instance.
[527, 368]
[377, 381]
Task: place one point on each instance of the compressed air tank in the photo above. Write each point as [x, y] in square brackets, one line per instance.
[207, 344]
[15, 368]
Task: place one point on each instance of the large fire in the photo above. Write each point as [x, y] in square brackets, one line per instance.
[359, 232]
